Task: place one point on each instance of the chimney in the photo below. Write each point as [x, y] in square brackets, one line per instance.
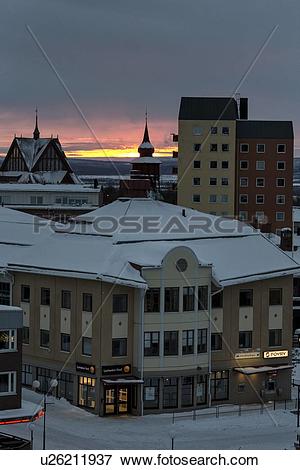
[286, 239]
[243, 108]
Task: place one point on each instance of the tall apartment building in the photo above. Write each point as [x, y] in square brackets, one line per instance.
[230, 166]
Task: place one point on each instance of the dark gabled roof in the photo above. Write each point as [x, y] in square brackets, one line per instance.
[193, 108]
[264, 130]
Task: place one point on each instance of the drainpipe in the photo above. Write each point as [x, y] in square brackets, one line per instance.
[209, 344]
[142, 293]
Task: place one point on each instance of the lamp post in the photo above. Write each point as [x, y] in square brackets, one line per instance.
[36, 385]
[172, 436]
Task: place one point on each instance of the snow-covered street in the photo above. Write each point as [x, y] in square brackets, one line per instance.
[69, 427]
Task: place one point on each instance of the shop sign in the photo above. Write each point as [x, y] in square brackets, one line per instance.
[121, 369]
[247, 355]
[275, 354]
[85, 368]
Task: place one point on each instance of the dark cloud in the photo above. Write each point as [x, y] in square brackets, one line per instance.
[117, 56]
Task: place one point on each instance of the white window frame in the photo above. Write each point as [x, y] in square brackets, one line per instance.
[259, 185]
[196, 202]
[12, 333]
[244, 185]
[198, 178]
[215, 178]
[264, 150]
[280, 195]
[212, 202]
[244, 151]
[279, 219]
[213, 133]
[243, 215]
[224, 178]
[225, 133]
[280, 186]
[213, 167]
[11, 390]
[197, 167]
[260, 195]
[284, 167]
[284, 148]
[242, 196]
[260, 216]
[244, 161]
[257, 166]
[227, 148]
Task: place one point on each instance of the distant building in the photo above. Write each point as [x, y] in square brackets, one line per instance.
[231, 166]
[36, 160]
[145, 174]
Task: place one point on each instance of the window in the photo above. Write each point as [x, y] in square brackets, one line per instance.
[7, 383]
[260, 182]
[275, 296]
[280, 182]
[87, 392]
[187, 342]
[220, 385]
[244, 182]
[280, 165]
[196, 181]
[197, 130]
[224, 198]
[86, 346]
[216, 342]
[152, 300]
[44, 338]
[119, 347]
[26, 374]
[213, 130]
[45, 296]
[280, 199]
[225, 130]
[151, 392]
[217, 300]
[281, 148]
[196, 198]
[120, 303]
[65, 342]
[202, 341]
[171, 343]
[213, 164]
[244, 164]
[260, 216]
[151, 343]
[225, 147]
[197, 147]
[170, 392]
[260, 148]
[187, 389]
[87, 302]
[202, 297]
[260, 165]
[225, 164]
[8, 340]
[25, 294]
[244, 148]
[244, 198]
[213, 147]
[25, 335]
[171, 299]
[280, 216]
[212, 198]
[201, 388]
[246, 298]
[188, 299]
[66, 299]
[197, 164]
[245, 339]
[224, 182]
[4, 293]
[36, 200]
[213, 181]
[260, 199]
[275, 337]
[243, 215]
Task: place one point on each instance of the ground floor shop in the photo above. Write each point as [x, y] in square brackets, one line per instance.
[116, 390]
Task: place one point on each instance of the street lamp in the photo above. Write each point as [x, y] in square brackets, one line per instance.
[36, 385]
[172, 436]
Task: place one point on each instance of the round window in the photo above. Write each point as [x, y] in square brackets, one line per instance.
[181, 265]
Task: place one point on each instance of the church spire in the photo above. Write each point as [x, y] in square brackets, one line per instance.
[36, 132]
[146, 149]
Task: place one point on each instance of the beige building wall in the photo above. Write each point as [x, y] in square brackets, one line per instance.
[192, 132]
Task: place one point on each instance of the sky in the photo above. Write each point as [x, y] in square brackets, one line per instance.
[93, 66]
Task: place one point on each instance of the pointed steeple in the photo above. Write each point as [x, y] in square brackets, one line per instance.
[36, 132]
[146, 149]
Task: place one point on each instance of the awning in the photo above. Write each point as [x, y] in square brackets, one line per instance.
[123, 381]
[260, 370]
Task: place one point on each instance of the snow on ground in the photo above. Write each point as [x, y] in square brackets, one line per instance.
[69, 427]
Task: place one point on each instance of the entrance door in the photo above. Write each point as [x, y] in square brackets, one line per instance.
[117, 400]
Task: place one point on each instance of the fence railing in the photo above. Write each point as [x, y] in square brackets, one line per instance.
[236, 410]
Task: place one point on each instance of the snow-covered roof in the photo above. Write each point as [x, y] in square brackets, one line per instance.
[69, 188]
[32, 149]
[237, 252]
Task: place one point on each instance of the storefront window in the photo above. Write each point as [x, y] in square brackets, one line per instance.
[44, 376]
[87, 392]
[151, 393]
[220, 385]
[26, 374]
[201, 388]
[65, 386]
[187, 389]
[170, 392]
